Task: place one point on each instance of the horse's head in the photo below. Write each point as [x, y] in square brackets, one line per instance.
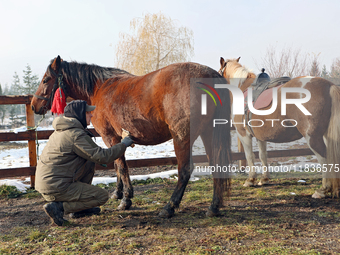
[52, 79]
[228, 67]
[234, 72]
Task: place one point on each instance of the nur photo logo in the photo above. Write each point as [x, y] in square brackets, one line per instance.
[204, 97]
[239, 105]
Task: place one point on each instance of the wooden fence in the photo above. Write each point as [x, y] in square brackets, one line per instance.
[30, 136]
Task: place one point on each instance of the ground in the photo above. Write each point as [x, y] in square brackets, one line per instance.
[280, 218]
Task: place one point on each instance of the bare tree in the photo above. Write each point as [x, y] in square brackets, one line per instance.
[156, 42]
[287, 62]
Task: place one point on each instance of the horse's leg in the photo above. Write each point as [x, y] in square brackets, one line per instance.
[218, 177]
[183, 152]
[123, 171]
[124, 187]
[207, 138]
[123, 179]
[330, 179]
[263, 157]
[317, 145]
[248, 150]
[118, 192]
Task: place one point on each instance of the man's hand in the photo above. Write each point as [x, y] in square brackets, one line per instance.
[127, 140]
[125, 133]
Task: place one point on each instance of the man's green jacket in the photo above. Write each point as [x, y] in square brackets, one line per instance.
[66, 153]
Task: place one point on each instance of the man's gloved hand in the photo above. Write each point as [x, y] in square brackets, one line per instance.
[125, 133]
[127, 141]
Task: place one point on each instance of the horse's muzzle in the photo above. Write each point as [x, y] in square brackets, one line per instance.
[40, 112]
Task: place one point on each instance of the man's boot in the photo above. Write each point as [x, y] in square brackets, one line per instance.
[86, 212]
[55, 211]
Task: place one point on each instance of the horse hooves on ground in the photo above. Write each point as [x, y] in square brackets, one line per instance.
[210, 213]
[125, 204]
[164, 213]
[321, 193]
[318, 195]
[263, 182]
[249, 184]
[117, 195]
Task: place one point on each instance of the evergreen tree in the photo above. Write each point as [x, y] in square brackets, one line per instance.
[324, 72]
[334, 74]
[5, 108]
[335, 69]
[12, 113]
[16, 88]
[29, 86]
[5, 91]
[314, 69]
[31, 82]
[2, 108]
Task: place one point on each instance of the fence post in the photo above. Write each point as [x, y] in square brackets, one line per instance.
[32, 150]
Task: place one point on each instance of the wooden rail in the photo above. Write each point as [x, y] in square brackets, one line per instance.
[30, 136]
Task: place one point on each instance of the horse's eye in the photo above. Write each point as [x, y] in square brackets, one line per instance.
[47, 79]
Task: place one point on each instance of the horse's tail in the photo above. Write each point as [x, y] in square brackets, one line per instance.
[221, 147]
[333, 141]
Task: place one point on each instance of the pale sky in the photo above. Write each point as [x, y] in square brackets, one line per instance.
[35, 31]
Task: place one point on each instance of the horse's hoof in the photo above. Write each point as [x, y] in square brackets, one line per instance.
[249, 184]
[125, 204]
[212, 213]
[117, 195]
[264, 181]
[166, 213]
[319, 194]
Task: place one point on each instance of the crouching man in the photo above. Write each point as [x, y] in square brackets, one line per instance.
[66, 166]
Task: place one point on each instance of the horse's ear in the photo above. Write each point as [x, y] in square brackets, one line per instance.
[56, 63]
[238, 59]
[222, 62]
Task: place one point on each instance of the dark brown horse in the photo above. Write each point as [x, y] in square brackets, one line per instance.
[155, 108]
[321, 128]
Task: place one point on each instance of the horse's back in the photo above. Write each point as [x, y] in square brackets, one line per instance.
[182, 106]
[156, 106]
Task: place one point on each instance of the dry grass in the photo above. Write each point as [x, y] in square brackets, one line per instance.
[263, 220]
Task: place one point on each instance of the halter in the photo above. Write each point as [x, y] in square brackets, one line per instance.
[58, 84]
[222, 70]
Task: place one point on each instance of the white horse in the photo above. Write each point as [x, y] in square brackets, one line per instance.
[321, 129]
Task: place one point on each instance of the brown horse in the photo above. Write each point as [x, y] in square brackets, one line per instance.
[155, 108]
[321, 129]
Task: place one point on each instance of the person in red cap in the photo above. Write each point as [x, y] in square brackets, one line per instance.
[66, 166]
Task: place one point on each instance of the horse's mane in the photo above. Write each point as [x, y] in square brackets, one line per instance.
[84, 76]
[237, 72]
